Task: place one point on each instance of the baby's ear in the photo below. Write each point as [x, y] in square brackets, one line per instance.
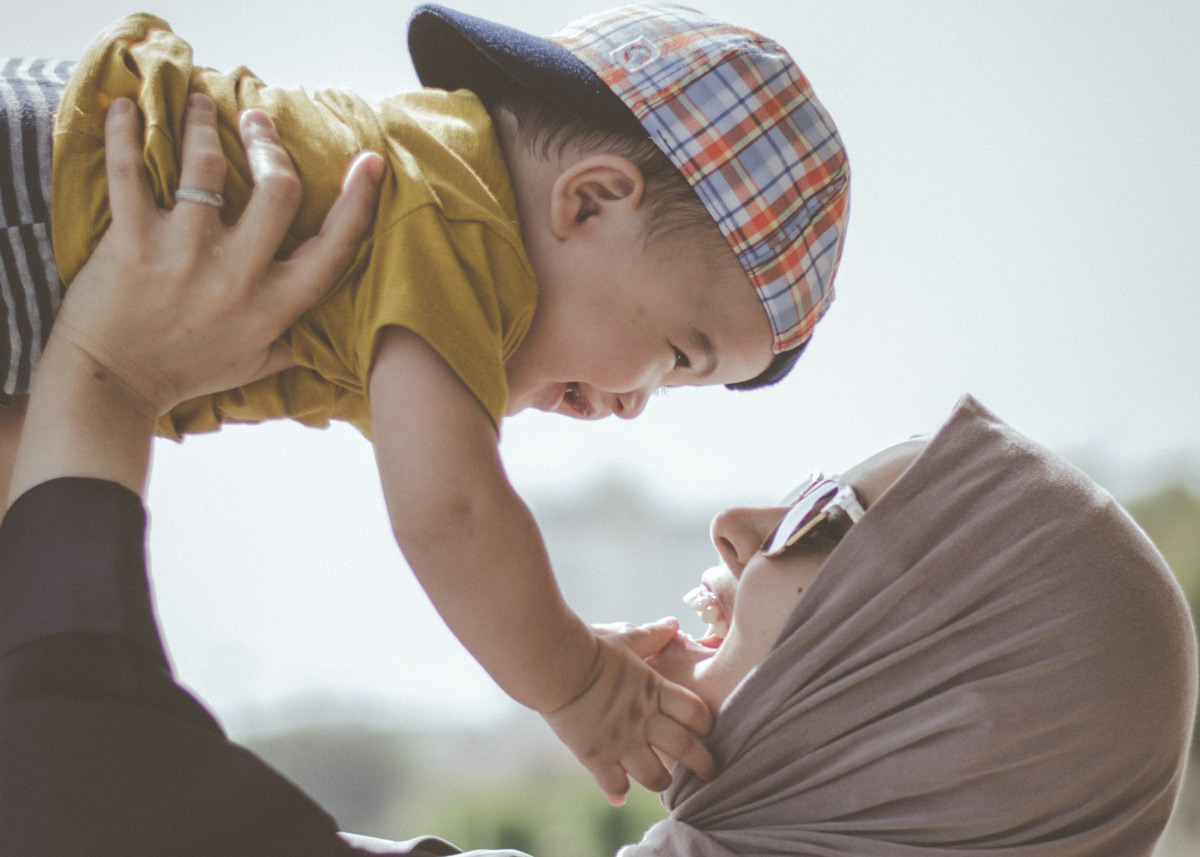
[594, 186]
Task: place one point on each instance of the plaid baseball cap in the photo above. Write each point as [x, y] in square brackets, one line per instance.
[729, 107]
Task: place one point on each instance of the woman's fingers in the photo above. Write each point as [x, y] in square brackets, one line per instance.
[317, 264]
[277, 192]
[176, 304]
[314, 268]
[203, 169]
[129, 192]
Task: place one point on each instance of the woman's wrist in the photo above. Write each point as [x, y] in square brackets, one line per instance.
[83, 421]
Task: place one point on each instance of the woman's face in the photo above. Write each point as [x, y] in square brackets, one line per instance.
[753, 594]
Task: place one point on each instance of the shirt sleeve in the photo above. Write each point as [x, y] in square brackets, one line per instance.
[104, 753]
[440, 279]
[72, 560]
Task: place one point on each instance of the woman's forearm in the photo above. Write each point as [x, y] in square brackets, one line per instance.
[82, 421]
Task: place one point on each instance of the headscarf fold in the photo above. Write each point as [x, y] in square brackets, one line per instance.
[994, 661]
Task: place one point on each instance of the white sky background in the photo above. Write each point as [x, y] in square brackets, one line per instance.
[1024, 218]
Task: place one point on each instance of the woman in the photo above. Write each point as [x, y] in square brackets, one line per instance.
[993, 659]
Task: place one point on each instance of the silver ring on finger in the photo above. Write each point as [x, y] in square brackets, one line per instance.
[205, 197]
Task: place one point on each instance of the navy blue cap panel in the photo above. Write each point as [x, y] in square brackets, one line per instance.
[452, 50]
[781, 365]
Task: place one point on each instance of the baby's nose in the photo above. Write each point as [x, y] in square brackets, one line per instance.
[626, 406]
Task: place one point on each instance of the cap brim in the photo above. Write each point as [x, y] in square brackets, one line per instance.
[451, 50]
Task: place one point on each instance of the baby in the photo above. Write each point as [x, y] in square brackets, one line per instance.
[649, 198]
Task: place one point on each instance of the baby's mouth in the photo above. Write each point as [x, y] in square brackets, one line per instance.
[575, 400]
[704, 601]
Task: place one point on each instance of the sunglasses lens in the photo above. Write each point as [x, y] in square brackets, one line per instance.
[777, 542]
[799, 519]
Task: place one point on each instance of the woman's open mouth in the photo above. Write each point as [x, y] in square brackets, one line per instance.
[704, 601]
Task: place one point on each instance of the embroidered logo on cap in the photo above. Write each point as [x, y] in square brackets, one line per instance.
[633, 56]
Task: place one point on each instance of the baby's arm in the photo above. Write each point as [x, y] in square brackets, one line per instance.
[476, 550]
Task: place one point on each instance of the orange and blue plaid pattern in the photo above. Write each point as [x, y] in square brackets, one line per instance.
[740, 121]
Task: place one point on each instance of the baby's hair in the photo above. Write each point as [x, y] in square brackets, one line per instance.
[672, 209]
[671, 206]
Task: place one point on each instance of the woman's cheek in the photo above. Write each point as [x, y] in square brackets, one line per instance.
[769, 592]
[761, 613]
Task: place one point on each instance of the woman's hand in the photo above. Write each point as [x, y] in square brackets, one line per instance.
[173, 304]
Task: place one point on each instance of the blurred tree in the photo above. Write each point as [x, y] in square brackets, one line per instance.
[358, 775]
[558, 813]
[1171, 518]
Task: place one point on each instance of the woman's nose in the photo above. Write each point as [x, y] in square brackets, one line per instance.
[738, 534]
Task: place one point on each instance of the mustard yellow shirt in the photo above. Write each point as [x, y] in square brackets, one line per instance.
[444, 257]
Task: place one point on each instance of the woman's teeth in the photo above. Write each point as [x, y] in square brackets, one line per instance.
[704, 602]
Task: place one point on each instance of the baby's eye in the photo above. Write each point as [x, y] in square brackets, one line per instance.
[681, 359]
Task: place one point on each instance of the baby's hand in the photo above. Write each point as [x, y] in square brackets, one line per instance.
[628, 711]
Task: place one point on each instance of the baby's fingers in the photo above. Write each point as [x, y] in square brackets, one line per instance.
[612, 780]
[646, 768]
[673, 740]
[646, 641]
[685, 708]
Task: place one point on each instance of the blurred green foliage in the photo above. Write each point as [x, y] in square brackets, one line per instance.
[1171, 518]
[564, 815]
[515, 787]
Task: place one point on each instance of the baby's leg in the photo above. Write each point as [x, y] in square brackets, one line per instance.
[30, 289]
[12, 419]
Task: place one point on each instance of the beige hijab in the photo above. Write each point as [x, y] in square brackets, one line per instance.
[995, 661]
